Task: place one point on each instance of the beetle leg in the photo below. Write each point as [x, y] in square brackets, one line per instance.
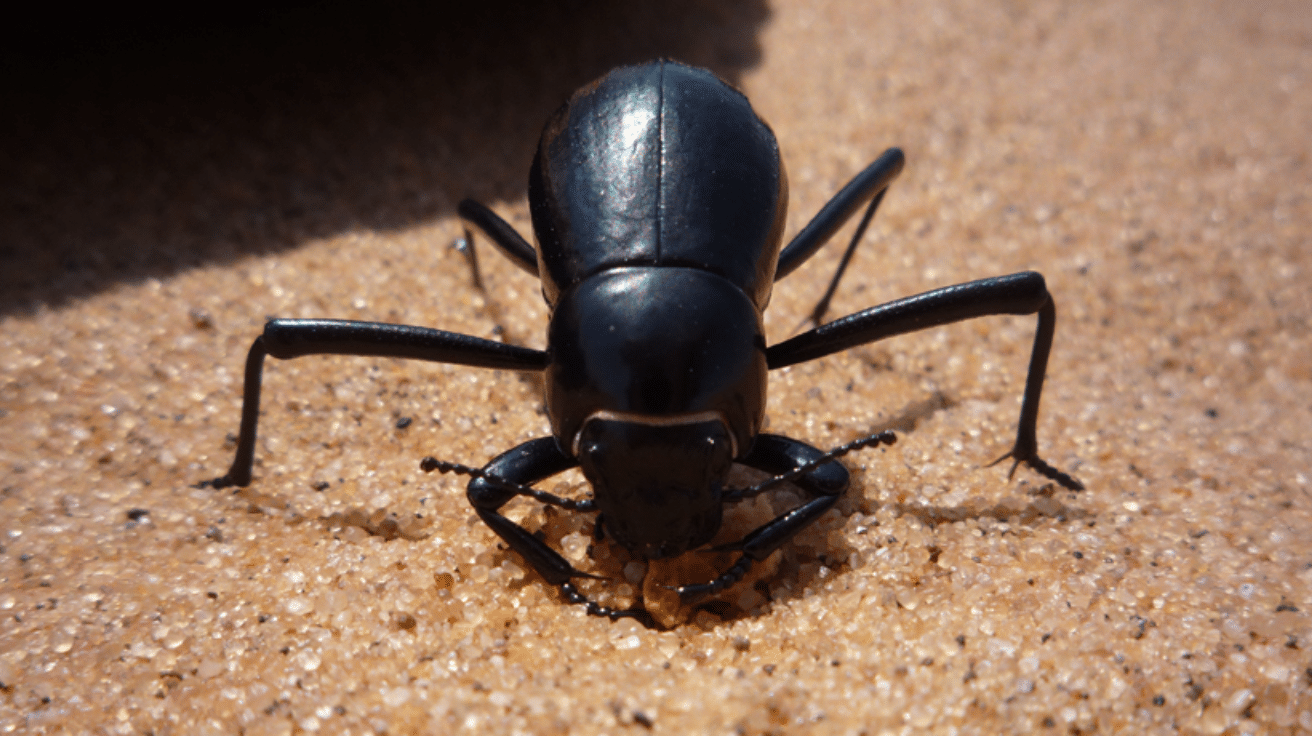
[822, 306]
[465, 246]
[293, 338]
[866, 187]
[525, 465]
[1019, 293]
[502, 235]
[777, 455]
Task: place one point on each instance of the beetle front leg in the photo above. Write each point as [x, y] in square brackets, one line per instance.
[523, 466]
[777, 455]
[1020, 293]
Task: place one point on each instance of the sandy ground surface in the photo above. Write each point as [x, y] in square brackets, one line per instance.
[1150, 158]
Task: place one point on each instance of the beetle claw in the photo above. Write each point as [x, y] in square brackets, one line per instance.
[1009, 454]
[1038, 465]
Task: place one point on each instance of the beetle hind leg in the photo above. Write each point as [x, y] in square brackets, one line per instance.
[500, 233]
[866, 189]
[1019, 293]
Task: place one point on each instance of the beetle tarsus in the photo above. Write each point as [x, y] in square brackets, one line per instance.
[219, 483]
[572, 595]
[690, 594]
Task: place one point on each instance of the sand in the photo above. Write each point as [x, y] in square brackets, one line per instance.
[1150, 159]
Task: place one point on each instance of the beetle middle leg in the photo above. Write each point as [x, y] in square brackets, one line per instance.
[295, 338]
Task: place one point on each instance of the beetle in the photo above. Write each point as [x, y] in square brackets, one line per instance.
[658, 200]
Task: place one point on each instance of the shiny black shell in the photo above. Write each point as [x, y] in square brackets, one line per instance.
[658, 201]
[659, 164]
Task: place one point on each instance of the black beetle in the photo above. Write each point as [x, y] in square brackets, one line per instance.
[658, 200]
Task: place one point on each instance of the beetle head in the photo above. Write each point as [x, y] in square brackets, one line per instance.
[656, 384]
[657, 485]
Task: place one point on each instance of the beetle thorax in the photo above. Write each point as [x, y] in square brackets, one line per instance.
[660, 344]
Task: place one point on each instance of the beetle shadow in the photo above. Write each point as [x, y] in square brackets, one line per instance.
[138, 145]
[825, 552]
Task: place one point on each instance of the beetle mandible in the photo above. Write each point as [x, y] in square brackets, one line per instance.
[658, 200]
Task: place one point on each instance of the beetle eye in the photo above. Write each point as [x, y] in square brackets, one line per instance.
[719, 455]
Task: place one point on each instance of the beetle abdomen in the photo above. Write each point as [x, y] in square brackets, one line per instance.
[658, 164]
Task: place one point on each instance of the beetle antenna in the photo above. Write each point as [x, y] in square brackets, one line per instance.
[874, 440]
[429, 464]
